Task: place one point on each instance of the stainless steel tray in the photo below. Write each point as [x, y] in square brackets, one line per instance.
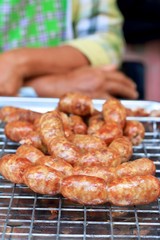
[26, 215]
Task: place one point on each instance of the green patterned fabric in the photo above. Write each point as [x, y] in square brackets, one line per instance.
[32, 23]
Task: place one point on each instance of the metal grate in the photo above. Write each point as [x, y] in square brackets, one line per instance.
[26, 215]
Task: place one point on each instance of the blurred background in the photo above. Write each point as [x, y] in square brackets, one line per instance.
[141, 30]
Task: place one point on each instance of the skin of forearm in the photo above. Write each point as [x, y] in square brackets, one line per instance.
[42, 61]
[50, 85]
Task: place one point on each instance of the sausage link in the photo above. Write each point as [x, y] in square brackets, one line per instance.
[66, 125]
[113, 110]
[94, 123]
[42, 179]
[108, 174]
[12, 167]
[77, 124]
[57, 164]
[76, 103]
[63, 148]
[33, 138]
[10, 114]
[136, 190]
[106, 157]
[51, 126]
[124, 147]
[29, 152]
[88, 142]
[17, 130]
[138, 167]
[108, 132]
[87, 190]
[135, 131]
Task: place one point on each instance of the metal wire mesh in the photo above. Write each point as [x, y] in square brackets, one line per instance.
[26, 215]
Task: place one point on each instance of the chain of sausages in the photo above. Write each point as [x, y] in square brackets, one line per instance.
[86, 162]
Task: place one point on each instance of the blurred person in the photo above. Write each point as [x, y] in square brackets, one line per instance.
[59, 46]
[141, 30]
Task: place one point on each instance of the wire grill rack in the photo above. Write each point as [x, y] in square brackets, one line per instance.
[26, 215]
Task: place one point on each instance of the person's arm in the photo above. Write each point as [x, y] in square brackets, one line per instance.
[98, 31]
[40, 61]
[95, 82]
[20, 64]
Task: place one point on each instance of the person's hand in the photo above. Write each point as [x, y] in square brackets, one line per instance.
[95, 82]
[10, 77]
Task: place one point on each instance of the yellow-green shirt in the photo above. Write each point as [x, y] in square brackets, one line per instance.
[92, 26]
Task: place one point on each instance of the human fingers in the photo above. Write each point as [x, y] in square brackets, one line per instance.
[117, 76]
[109, 67]
[121, 90]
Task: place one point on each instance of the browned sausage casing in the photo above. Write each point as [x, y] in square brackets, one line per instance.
[33, 138]
[51, 126]
[76, 103]
[108, 132]
[137, 190]
[57, 164]
[86, 190]
[141, 166]
[124, 147]
[9, 114]
[12, 167]
[77, 124]
[43, 179]
[135, 131]
[113, 110]
[29, 152]
[106, 157]
[62, 148]
[66, 125]
[95, 170]
[88, 142]
[17, 130]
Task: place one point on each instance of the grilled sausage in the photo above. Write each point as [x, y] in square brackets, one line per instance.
[12, 167]
[75, 103]
[17, 130]
[29, 152]
[136, 190]
[43, 179]
[123, 146]
[88, 142]
[66, 125]
[57, 164]
[52, 133]
[86, 190]
[77, 124]
[10, 114]
[6, 111]
[106, 157]
[113, 110]
[138, 167]
[108, 132]
[135, 131]
[33, 138]
[108, 174]
[62, 148]
[95, 122]
[51, 126]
